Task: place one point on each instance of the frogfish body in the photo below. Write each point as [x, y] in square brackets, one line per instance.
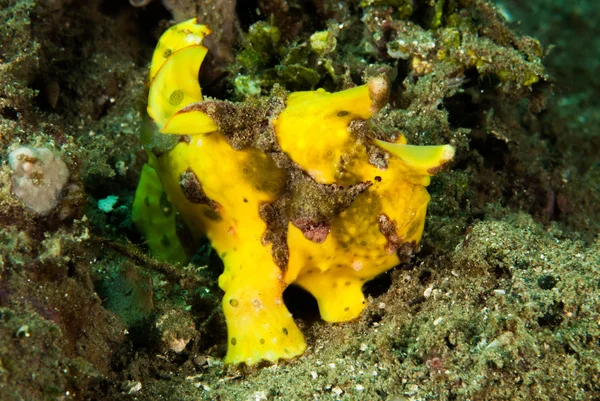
[291, 189]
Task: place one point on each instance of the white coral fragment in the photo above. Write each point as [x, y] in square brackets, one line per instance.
[38, 177]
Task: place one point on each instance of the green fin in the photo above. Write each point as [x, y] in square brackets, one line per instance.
[154, 217]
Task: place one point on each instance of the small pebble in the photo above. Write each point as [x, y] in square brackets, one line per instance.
[200, 360]
[22, 332]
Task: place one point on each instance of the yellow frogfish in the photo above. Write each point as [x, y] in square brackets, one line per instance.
[293, 188]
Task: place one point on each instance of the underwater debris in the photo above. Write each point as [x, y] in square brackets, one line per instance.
[38, 177]
[139, 3]
[176, 329]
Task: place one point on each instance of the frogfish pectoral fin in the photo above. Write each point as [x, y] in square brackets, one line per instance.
[423, 160]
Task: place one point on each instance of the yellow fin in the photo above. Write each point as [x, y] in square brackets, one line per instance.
[424, 160]
[154, 217]
[177, 37]
[339, 295]
[259, 325]
[176, 84]
[189, 122]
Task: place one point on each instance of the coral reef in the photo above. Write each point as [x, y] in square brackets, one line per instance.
[501, 300]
